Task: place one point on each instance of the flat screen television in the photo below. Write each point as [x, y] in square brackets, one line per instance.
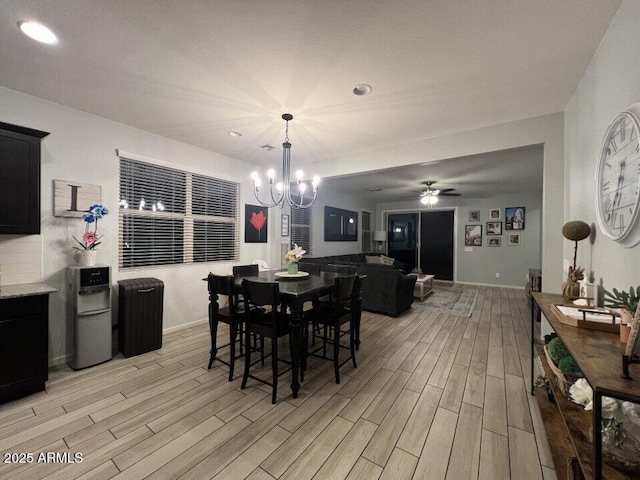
[340, 225]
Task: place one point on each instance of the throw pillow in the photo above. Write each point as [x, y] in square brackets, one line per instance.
[386, 260]
[372, 259]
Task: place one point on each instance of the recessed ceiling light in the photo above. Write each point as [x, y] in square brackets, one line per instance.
[362, 89]
[267, 147]
[233, 133]
[38, 32]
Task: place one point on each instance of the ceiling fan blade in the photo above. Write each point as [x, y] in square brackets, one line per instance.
[445, 190]
[449, 194]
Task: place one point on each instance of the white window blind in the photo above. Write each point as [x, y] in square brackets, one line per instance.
[168, 216]
[301, 229]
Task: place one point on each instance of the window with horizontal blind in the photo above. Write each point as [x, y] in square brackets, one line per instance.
[301, 229]
[169, 216]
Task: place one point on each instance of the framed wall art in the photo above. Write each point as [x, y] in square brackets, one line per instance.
[284, 225]
[514, 239]
[255, 224]
[494, 241]
[73, 199]
[474, 215]
[494, 214]
[494, 228]
[473, 235]
[514, 218]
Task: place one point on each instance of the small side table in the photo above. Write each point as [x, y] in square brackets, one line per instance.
[424, 286]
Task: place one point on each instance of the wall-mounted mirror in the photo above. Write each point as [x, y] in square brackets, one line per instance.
[340, 225]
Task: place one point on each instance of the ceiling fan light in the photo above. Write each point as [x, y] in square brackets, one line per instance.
[424, 200]
[433, 200]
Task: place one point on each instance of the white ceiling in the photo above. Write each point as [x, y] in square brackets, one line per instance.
[478, 176]
[192, 70]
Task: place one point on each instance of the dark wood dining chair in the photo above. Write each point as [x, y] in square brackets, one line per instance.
[333, 314]
[265, 318]
[246, 270]
[232, 315]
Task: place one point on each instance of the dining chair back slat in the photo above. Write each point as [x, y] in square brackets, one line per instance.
[246, 270]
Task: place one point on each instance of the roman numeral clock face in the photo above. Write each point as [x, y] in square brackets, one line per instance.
[618, 180]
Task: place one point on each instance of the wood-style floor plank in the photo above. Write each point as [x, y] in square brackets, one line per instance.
[434, 396]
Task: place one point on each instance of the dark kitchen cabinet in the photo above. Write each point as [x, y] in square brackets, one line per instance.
[19, 179]
[24, 348]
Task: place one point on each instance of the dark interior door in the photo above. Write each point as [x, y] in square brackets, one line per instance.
[436, 243]
[403, 238]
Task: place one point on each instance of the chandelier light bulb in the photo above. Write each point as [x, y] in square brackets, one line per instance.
[299, 175]
[257, 183]
[254, 176]
[279, 187]
[302, 187]
[271, 173]
[315, 182]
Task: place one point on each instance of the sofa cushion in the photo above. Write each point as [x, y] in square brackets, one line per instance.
[386, 260]
[372, 259]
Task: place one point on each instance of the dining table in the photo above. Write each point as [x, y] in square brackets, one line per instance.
[295, 291]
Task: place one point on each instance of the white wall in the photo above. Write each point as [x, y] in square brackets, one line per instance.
[82, 147]
[610, 85]
[482, 263]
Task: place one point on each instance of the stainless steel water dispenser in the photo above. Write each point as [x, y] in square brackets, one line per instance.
[89, 315]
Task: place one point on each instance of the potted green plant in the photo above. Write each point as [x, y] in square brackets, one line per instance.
[627, 302]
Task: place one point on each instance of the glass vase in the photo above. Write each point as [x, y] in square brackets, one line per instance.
[292, 268]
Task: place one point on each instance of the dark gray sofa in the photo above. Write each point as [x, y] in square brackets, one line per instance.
[385, 290]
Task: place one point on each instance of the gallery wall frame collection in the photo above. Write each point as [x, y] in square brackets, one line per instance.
[514, 239]
[284, 225]
[494, 241]
[474, 215]
[494, 214]
[494, 228]
[473, 235]
[514, 218]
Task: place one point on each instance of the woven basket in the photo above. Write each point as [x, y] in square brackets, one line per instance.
[563, 379]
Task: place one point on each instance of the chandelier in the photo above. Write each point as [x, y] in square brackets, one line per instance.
[280, 191]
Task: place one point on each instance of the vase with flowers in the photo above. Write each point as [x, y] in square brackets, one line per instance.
[292, 257]
[90, 238]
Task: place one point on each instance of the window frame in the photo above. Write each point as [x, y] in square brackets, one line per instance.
[188, 218]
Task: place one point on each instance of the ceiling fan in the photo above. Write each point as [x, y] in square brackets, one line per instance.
[429, 195]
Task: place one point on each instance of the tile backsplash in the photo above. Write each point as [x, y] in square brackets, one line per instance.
[20, 259]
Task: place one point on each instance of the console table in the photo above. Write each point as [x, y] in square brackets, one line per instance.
[599, 356]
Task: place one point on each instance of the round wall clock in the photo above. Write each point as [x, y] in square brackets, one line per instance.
[618, 179]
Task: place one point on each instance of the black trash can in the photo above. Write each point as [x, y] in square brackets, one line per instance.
[140, 315]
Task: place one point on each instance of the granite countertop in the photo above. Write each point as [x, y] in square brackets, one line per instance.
[25, 290]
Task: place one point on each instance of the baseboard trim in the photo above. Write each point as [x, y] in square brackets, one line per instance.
[514, 287]
[185, 325]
